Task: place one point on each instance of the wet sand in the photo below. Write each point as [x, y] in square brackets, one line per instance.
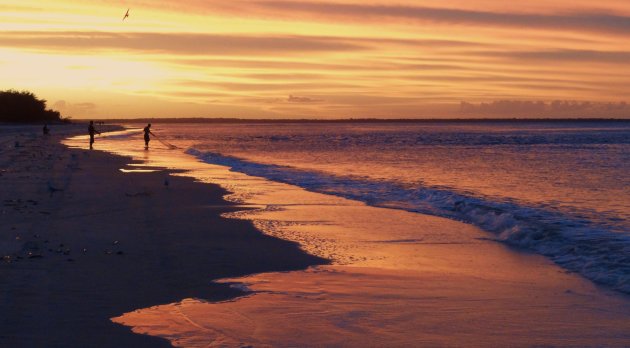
[83, 242]
[398, 279]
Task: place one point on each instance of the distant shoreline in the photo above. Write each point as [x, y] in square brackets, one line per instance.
[358, 120]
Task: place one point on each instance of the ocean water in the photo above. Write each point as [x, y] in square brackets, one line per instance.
[559, 189]
[424, 223]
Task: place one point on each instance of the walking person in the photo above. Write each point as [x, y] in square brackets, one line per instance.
[92, 131]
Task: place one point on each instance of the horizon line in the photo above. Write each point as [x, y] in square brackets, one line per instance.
[346, 120]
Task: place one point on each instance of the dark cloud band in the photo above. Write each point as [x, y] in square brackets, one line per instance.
[592, 22]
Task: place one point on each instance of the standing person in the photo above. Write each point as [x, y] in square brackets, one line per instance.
[147, 138]
[46, 130]
[92, 130]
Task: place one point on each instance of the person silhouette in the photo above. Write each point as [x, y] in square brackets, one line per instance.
[147, 138]
[92, 131]
[46, 130]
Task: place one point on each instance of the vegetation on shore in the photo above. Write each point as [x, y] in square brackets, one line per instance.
[25, 107]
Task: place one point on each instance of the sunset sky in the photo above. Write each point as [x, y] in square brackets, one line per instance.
[327, 59]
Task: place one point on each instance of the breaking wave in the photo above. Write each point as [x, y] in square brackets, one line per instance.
[600, 251]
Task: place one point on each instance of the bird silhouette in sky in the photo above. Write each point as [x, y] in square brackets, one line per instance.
[126, 15]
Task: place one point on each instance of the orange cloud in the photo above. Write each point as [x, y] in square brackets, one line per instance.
[581, 21]
[174, 43]
[333, 58]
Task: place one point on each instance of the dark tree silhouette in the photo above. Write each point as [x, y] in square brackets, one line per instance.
[23, 106]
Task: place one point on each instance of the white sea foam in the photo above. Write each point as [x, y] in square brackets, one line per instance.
[600, 252]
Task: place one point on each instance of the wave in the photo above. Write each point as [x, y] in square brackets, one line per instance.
[600, 252]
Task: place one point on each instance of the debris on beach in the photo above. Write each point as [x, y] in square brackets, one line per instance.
[32, 255]
[52, 189]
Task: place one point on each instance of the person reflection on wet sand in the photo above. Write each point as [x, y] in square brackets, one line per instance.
[92, 131]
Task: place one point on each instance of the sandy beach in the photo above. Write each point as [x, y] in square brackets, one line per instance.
[109, 251]
[83, 242]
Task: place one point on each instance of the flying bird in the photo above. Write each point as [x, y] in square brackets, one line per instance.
[126, 15]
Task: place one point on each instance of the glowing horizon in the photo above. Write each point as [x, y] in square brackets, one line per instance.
[325, 59]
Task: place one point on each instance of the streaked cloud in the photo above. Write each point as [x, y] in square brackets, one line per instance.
[588, 56]
[174, 43]
[299, 99]
[332, 58]
[556, 108]
[582, 21]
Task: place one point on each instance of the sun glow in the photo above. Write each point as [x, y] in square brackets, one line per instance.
[320, 59]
